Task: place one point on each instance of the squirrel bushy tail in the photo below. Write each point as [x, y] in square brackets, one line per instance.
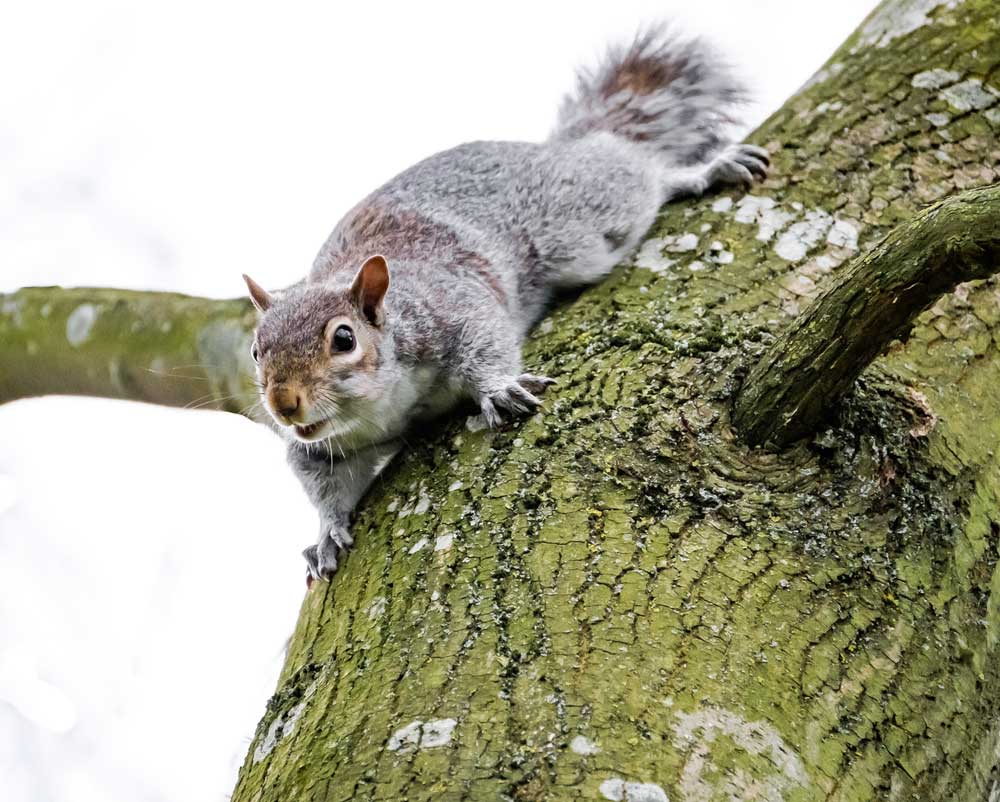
[675, 95]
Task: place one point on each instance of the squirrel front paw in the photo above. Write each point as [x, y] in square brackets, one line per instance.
[515, 395]
[321, 559]
[739, 165]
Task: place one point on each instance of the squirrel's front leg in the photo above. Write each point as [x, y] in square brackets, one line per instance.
[492, 371]
[335, 485]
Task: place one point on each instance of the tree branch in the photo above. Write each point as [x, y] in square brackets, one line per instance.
[873, 302]
[163, 348]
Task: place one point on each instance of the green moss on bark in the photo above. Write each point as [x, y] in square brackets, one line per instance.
[145, 346]
[871, 303]
[711, 619]
[618, 596]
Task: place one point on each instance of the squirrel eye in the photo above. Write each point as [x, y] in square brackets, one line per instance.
[254, 353]
[343, 339]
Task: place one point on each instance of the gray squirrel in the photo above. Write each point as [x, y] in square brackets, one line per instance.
[424, 292]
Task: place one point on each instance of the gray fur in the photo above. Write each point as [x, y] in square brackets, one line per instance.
[672, 95]
[478, 240]
[335, 486]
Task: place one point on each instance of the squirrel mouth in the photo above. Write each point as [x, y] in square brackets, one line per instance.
[311, 431]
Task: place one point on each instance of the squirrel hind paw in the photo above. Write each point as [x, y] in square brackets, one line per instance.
[739, 165]
[754, 158]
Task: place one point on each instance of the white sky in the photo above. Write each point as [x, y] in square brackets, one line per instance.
[149, 558]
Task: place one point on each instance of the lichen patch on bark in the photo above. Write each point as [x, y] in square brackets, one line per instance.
[618, 790]
[892, 20]
[79, 324]
[422, 735]
[697, 733]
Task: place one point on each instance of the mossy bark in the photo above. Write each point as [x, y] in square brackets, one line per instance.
[618, 598]
[162, 348]
[870, 303]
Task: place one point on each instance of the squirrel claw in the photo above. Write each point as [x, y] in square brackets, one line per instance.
[516, 397]
[739, 165]
[321, 559]
[490, 414]
[312, 565]
[535, 384]
[327, 550]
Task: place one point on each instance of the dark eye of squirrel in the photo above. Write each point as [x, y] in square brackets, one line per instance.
[343, 339]
[254, 353]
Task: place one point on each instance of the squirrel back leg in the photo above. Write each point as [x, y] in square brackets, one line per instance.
[592, 202]
[617, 192]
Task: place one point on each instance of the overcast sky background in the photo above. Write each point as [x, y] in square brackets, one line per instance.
[149, 558]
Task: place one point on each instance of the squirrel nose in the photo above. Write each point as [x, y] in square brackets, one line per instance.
[285, 401]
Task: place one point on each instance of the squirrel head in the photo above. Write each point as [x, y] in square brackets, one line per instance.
[319, 350]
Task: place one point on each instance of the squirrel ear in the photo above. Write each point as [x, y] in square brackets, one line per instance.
[369, 288]
[258, 294]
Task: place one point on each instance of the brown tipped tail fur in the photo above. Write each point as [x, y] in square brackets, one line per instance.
[675, 95]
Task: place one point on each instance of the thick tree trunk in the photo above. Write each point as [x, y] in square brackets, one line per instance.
[620, 599]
